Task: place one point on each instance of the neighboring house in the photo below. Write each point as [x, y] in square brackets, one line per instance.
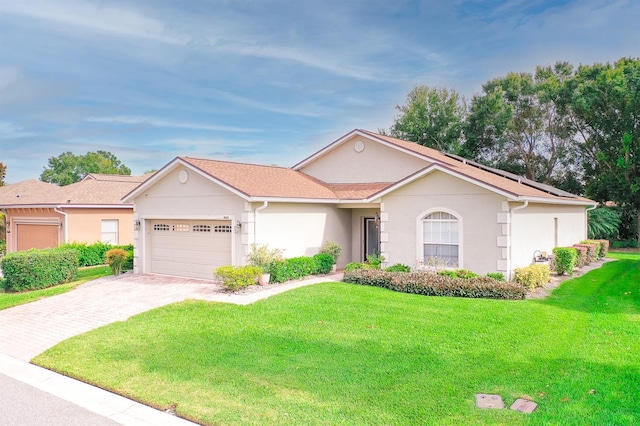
[370, 193]
[43, 215]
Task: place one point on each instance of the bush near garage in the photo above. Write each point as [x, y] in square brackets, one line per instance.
[237, 277]
[324, 263]
[592, 252]
[94, 254]
[35, 269]
[581, 260]
[432, 284]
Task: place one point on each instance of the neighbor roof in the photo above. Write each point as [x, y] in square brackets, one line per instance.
[94, 189]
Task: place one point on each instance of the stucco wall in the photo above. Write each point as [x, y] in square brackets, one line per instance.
[533, 228]
[302, 229]
[376, 163]
[477, 208]
[85, 225]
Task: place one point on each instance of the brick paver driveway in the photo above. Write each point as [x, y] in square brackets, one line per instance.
[27, 330]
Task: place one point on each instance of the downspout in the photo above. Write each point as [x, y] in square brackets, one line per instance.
[255, 219]
[66, 222]
[523, 206]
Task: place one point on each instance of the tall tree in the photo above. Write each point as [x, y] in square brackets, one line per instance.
[3, 173]
[606, 101]
[517, 124]
[431, 117]
[68, 168]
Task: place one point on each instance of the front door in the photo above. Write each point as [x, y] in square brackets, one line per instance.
[371, 237]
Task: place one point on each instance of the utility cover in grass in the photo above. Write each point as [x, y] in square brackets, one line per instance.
[484, 400]
[524, 405]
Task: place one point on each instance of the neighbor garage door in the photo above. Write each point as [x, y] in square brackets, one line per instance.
[37, 236]
[189, 248]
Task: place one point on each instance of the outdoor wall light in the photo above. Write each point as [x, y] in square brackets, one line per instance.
[238, 227]
[136, 225]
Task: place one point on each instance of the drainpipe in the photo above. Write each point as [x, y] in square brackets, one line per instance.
[66, 222]
[523, 206]
[255, 219]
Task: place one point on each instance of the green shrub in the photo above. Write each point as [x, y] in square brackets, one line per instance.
[458, 273]
[398, 267]
[564, 260]
[630, 243]
[89, 255]
[332, 249]
[128, 263]
[293, 269]
[263, 257]
[598, 245]
[116, 259]
[591, 251]
[375, 260]
[532, 276]
[3, 248]
[237, 277]
[36, 269]
[323, 263]
[496, 276]
[432, 284]
[351, 266]
[581, 260]
[604, 247]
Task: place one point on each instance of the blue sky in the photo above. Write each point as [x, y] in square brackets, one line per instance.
[262, 81]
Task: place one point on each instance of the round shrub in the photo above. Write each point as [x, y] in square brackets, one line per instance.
[564, 260]
[324, 263]
[398, 267]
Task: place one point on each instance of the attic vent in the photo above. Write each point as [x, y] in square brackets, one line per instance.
[222, 228]
[161, 227]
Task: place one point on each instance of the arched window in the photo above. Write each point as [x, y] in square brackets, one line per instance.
[440, 236]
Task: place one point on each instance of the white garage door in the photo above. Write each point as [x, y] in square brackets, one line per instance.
[189, 248]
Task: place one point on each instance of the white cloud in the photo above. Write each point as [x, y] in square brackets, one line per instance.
[168, 123]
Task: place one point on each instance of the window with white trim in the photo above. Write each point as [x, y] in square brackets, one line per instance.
[110, 231]
[440, 239]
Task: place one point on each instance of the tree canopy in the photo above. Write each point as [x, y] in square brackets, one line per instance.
[68, 168]
[574, 128]
[432, 117]
[3, 173]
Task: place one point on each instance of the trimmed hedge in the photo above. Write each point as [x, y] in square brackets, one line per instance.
[532, 276]
[323, 263]
[581, 260]
[94, 254]
[431, 284]
[592, 254]
[564, 260]
[603, 247]
[35, 269]
[237, 277]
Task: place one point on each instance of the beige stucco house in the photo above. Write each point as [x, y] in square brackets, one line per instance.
[43, 215]
[368, 192]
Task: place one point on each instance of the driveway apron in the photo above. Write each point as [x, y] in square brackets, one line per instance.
[29, 329]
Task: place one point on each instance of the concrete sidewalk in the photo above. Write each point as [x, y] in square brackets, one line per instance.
[27, 330]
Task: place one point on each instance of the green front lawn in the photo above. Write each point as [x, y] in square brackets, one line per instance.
[344, 354]
[9, 300]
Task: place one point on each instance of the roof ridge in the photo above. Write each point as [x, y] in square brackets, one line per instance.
[233, 162]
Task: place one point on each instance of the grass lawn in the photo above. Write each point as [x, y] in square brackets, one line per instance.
[344, 354]
[9, 300]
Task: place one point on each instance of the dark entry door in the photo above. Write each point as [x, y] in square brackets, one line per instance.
[371, 237]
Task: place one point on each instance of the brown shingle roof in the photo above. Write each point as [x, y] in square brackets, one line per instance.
[492, 179]
[357, 191]
[263, 181]
[98, 190]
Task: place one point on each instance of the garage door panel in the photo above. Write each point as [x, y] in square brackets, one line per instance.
[189, 248]
[38, 236]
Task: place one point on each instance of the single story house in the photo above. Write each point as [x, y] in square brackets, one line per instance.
[370, 193]
[43, 215]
